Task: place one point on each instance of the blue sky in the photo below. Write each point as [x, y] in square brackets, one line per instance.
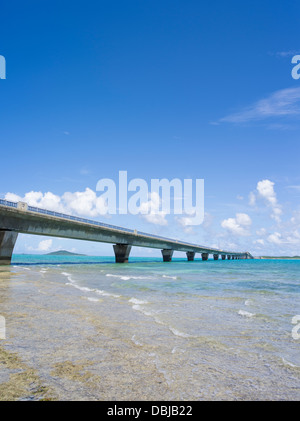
[162, 89]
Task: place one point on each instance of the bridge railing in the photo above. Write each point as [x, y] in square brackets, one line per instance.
[100, 224]
[8, 203]
[89, 221]
[77, 218]
[64, 216]
[84, 220]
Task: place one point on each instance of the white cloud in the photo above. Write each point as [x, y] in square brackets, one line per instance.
[261, 232]
[259, 241]
[297, 188]
[252, 199]
[239, 225]
[275, 238]
[185, 222]
[85, 203]
[151, 212]
[265, 191]
[285, 102]
[44, 245]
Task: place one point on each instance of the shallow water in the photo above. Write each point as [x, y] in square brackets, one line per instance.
[215, 330]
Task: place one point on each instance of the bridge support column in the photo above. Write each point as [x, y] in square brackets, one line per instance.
[204, 256]
[190, 255]
[216, 257]
[7, 243]
[122, 252]
[228, 257]
[223, 256]
[167, 255]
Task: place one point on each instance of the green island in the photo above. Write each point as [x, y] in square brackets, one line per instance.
[63, 253]
[279, 257]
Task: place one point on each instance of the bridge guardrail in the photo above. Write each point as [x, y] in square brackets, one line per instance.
[8, 203]
[102, 224]
[64, 216]
[89, 221]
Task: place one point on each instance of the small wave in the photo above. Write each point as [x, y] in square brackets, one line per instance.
[177, 350]
[136, 301]
[94, 300]
[85, 289]
[138, 307]
[245, 313]
[66, 274]
[126, 278]
[135, 341]
[248, 302]
[169, 277]
[106, 294]
[285, 362]
[178, 333]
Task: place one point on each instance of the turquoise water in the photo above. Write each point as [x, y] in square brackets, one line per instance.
[211, 330]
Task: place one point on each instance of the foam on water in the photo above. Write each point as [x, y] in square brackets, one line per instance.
[245, 313]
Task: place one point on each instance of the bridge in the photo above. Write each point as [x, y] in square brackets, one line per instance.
[19, 217]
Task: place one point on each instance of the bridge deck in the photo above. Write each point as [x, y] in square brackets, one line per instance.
[36, 221]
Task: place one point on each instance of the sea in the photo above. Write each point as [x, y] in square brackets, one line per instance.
[149, 330]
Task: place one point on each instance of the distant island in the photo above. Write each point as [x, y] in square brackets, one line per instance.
[278, 257]
[63, 253]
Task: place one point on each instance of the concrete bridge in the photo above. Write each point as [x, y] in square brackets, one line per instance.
[21, 218]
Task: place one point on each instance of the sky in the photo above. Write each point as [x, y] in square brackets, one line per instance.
[160, 89]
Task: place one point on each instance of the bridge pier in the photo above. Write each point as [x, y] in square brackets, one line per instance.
[167, 255]
[190, 256]
[204, 256]
[223, 256]
[7, 243]
[122, 252]
[216, 257]
[228, 257]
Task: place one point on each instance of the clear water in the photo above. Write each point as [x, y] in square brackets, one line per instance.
[152, 330]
